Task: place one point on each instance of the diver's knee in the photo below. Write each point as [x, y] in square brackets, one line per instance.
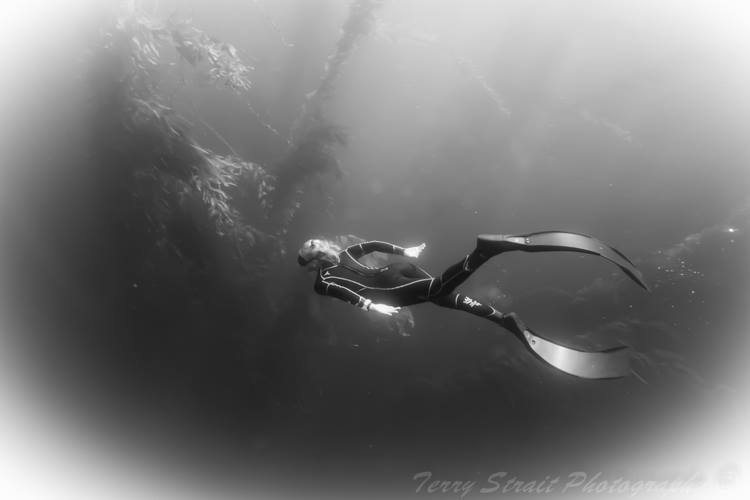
[443, 300]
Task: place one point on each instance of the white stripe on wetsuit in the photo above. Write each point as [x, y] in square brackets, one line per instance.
[360, 298]
[366, 287]
[355, 260]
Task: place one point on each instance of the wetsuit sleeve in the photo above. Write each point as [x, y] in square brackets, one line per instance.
[324, 287]
[361, 249]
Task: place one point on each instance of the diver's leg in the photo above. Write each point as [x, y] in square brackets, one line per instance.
[456, 274]
[465, 303]
[611, 363]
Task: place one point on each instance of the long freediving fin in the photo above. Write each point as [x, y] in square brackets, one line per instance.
[611, 363]
[560, 241]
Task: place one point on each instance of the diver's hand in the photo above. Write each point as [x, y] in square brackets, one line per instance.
[384, 309]
[414, 251]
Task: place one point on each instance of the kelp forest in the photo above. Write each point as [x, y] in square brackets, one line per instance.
[169, 159]
[175, 297]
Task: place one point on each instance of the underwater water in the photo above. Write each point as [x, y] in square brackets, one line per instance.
[624, 120]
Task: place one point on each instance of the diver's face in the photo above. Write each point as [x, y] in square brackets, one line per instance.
[311, 251]
[313, 245]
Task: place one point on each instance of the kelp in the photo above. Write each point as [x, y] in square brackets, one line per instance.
[166, 178]
[144, 42]
[224, 64]
[359, 23]
[166, 171]
[313, 156]
[314, 137]
[148, 37]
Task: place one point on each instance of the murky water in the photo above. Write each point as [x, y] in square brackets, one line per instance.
[623, 120]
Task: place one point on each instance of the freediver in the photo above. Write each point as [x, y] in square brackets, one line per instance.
[386, 289]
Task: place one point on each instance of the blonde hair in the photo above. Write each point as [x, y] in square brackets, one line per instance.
[320, 249]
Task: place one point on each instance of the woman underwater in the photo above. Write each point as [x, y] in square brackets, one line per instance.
[386, 289]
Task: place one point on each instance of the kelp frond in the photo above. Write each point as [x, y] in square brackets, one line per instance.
[158, 161]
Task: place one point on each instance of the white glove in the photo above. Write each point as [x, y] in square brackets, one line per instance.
[384, 309]
[414, 251]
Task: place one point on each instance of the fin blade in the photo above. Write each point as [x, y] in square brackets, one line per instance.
[610, 363]
[614, 363]
[550, 241]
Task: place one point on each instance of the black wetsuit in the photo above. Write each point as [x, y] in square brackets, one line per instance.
[399, 283]
[404, 284]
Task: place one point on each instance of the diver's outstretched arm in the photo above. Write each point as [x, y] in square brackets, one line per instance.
[362, 249]
[611, 363]
[325, 287]
[556, 241]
